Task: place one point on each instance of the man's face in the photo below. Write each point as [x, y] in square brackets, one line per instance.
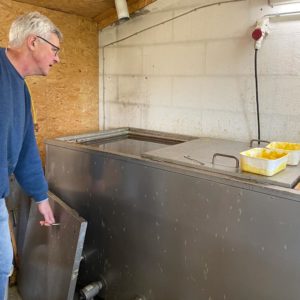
[47, 54]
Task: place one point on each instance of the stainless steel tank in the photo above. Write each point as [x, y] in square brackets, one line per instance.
[164, 227]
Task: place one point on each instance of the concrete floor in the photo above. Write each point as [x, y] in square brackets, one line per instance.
[13, 294]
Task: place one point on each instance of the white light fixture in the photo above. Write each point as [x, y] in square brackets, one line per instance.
[281, 2]
[122, 10]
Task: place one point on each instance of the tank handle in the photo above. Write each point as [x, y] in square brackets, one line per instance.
[258, 141]
[237, 162]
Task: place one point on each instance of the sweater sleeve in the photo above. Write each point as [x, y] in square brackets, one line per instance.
[29, 171]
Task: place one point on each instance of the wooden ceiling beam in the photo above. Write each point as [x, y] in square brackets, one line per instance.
[103, 12]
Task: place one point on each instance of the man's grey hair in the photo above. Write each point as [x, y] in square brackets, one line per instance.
[31, 23]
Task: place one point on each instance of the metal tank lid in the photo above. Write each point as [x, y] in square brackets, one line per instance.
[199, 154]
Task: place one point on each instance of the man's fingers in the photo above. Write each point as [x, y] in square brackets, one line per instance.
[46, 210]
[43, 223]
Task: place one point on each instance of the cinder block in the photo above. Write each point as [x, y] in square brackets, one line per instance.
[280, 56]
[214, 22]
[174, 59]
[273, 127]
[121, 115]
[228, 125]
[159, 90]
[132, 89]
[174, 120]
[144, 90]
[123, 60]
[211, 92]
[155, 35]
[279, 95]
[230, 57]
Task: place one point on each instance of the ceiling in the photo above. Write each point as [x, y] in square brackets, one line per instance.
[101, 11]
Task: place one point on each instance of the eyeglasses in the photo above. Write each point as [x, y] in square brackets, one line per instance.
[55, 48]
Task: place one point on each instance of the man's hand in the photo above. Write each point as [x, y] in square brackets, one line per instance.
[46, 210]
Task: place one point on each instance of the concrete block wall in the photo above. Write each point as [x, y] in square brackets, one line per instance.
[195, 74]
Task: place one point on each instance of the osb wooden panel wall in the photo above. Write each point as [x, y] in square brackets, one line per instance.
[66, 101]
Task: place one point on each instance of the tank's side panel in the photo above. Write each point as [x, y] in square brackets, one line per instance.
[171, 236]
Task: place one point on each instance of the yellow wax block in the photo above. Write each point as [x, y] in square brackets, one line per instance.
[293, 150]
[267, 162]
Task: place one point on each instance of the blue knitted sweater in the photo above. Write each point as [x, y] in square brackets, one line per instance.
[18, 149]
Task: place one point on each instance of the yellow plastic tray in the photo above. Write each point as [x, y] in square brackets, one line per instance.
[267, 162]
[292, 148]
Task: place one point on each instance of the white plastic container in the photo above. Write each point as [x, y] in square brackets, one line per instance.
[292, 148]
[267, 162]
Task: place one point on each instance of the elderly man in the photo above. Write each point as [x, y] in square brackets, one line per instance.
[33, 49]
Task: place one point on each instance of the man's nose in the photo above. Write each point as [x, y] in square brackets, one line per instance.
[56, 59]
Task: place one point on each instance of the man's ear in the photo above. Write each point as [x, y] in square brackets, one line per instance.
[31, 42]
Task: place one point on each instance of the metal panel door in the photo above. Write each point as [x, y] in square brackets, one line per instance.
[51, 255]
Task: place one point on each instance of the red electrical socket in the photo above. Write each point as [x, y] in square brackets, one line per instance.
[257, 34]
